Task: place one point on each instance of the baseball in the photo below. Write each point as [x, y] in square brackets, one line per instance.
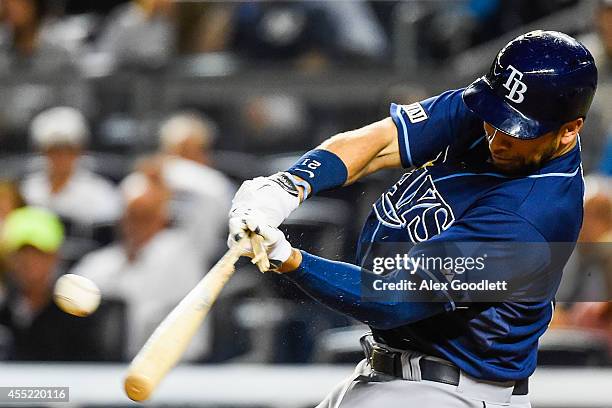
[76, 295]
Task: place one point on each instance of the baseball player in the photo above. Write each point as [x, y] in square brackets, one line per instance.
[498, 161]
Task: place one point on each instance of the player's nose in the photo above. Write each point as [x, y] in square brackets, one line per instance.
[501, 142]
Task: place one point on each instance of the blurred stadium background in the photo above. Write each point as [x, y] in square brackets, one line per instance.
[133, 122]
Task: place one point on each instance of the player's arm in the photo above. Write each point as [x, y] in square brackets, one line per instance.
[338, 285]
[346, 157]
[340, 160]
[341, 285]
[366, 150]
[412, 136]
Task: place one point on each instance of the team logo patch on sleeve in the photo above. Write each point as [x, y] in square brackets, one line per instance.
[415, 112]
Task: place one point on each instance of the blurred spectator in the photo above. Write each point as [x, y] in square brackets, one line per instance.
[446, 28]
[597, 228]
[592, 315]
[599, 41]
[592, 319]
[204, 26]
[359, 33]
[597, 224]
[31, 238]
[588, 274]
[10, 199]
[28, 53]
[188, 136]
[201, 196]
[311, 34]
[597, 134]
[73, 192]
[496, 17]
[140, 33]
[152, 267]
[385, 12]
[283, 31]
[275, 123]
[80, 6]
[23, 45]
[604, 27]
[603, 100]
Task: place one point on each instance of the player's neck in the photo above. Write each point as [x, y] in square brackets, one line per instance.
[565, 149]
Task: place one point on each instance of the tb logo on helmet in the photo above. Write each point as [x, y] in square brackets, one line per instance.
[518, 87]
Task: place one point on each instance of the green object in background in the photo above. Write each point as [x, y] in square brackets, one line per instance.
[33, 226]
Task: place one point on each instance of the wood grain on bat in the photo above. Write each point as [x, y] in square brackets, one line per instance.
[169, 341]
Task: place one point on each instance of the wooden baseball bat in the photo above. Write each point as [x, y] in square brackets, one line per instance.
[170, 339]
[261, 257]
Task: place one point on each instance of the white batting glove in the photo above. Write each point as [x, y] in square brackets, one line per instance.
[275, 244]
[239, 223]
[267, 201]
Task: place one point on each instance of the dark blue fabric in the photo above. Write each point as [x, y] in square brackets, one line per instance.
[455, 194]
[338, 285]
[461, 196]
[322, 169]
[447, 125]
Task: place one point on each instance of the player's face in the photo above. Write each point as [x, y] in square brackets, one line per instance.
[517, 156]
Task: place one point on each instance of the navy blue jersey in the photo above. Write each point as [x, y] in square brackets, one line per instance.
[456, 194]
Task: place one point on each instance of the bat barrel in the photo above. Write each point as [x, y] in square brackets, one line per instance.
[170, 339]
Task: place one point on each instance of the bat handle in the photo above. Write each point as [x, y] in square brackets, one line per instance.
[259, 250]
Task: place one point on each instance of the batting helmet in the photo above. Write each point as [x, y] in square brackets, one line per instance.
[537, 82]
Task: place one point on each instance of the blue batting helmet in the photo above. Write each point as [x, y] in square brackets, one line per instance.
[537, 82]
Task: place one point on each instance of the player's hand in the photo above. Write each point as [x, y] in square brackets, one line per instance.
[243, 223]
[275, 244]
[266, 199]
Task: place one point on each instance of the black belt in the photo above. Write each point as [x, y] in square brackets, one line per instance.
[390, 363]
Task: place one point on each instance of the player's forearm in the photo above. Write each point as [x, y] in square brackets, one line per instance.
[338, 286]
[366, 150]
[347, 157]
[341, 160]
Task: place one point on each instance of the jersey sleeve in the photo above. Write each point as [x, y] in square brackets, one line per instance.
[512, 250]
[339, 285]
[425, 129]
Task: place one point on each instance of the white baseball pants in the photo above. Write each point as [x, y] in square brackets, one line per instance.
[367, 389]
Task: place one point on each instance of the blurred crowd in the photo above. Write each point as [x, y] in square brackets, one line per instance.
[53, 34]
[139, 203]
[145, 242]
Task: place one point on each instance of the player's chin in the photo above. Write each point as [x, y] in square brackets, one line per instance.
[506, 165]
[513, 167]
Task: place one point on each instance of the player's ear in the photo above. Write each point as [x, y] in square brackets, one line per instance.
[570, 130]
